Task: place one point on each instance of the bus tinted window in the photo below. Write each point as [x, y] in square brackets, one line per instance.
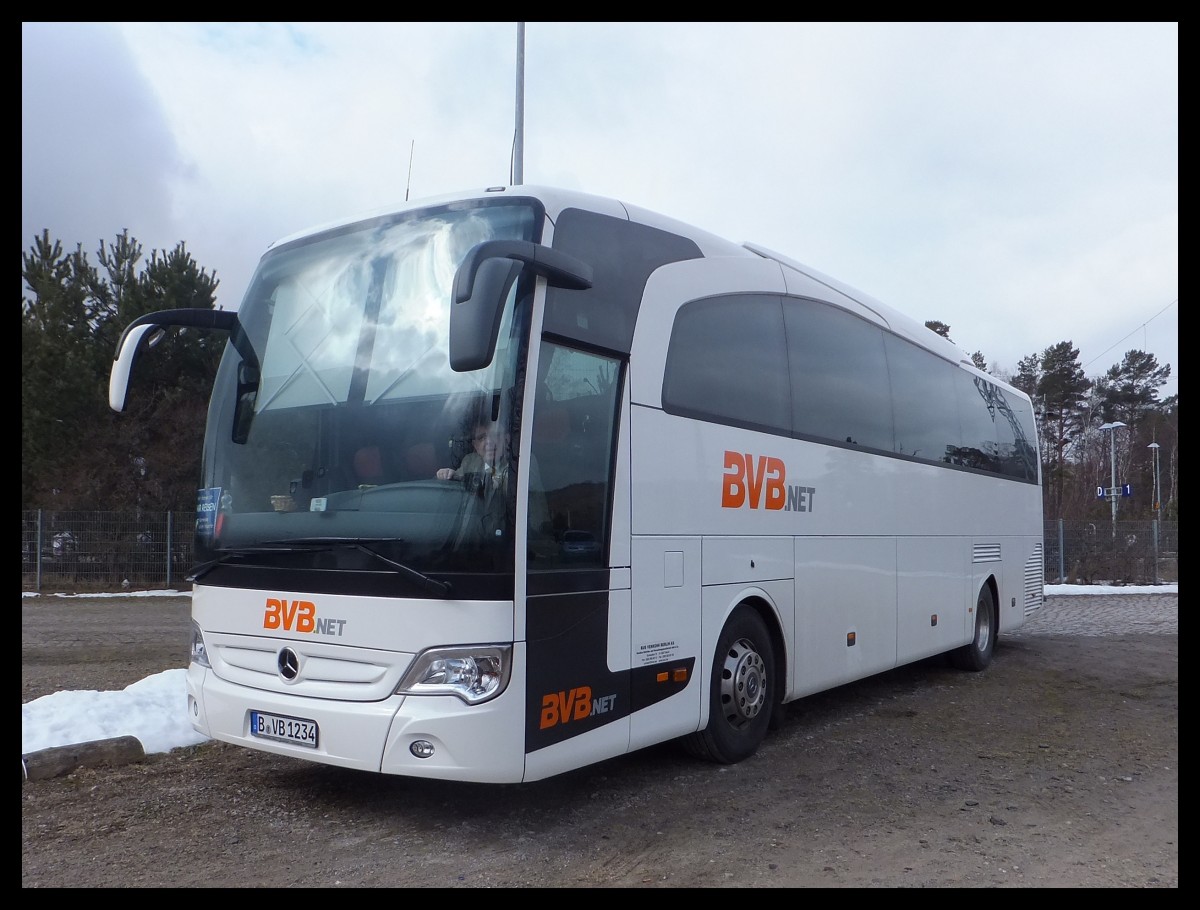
[1008, 421]
[839, 376]
[923, 401]
[1023, 462]
[848, 382]
[980, 446]
[727, 361]
[622, 255]
[572, 466]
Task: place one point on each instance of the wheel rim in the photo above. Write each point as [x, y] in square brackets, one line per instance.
[983, 630]
[743, 684]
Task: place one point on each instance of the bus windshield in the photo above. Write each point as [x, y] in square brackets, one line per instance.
[351, 431]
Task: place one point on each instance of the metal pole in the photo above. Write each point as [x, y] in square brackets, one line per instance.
[519, 142]
[1157, 508]
[1062, 567]
[38, 582]
[1155, 524]
[1112, 437]
[168, 548]
[1157, 492]
[1113, 492]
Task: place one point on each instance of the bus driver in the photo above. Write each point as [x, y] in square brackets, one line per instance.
[488, 458]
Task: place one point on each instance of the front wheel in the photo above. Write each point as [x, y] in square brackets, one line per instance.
[978, 654]
[741, 692]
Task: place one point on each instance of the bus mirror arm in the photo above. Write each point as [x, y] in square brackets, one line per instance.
[147, 330]
[481, 286]
[560, 269]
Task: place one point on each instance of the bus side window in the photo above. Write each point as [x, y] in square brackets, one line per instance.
[572, 453]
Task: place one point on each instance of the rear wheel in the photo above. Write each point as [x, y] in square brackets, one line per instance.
[978, 654]
[741, 692]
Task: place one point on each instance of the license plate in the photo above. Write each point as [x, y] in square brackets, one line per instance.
[284, 729]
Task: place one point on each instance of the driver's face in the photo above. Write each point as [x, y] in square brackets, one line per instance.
[487, 442]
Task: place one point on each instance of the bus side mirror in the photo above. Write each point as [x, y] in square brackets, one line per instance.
[135, 340]
[481, 285]
[475, 321]
[148, 330]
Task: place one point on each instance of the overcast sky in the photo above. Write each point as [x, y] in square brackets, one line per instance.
[1016, 181]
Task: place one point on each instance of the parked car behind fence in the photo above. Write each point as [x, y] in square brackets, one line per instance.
[103, 551]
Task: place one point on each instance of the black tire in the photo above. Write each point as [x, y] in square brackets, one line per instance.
[978, 654]
[742, 694]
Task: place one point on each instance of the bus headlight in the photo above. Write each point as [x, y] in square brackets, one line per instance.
[199, 654]
[475, 673]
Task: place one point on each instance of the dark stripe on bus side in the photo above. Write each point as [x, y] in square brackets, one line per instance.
[569, 688]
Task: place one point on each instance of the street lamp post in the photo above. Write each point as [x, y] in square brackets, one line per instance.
[1157, 507]
[1157, 494]
[1113, 492]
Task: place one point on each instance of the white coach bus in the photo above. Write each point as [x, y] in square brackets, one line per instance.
[505, 483]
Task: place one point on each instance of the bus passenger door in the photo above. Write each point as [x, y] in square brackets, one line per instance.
[577, 605]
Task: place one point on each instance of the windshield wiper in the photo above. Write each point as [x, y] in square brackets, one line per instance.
[427, 584]
[266, 547]
[235, 553]
[320, 544]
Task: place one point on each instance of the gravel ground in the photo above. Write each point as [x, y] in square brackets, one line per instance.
[1057, 767]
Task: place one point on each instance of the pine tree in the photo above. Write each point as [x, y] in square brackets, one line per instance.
[77, 453]
[1061, 389]
[1129, 389]
[59, 362]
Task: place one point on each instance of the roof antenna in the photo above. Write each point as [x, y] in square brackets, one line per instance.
[410, 158]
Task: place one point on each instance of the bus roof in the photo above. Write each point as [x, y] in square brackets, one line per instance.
[556, 199]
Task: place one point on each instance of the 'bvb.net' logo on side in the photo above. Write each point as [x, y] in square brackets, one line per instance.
[760, 482]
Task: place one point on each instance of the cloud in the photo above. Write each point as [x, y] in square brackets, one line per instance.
[97, 155]
[1017, 181]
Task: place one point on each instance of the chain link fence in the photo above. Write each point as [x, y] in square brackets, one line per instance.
[94, 552]
[1113, 553]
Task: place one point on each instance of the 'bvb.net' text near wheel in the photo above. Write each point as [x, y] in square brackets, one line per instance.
[741, 692]
[978, 654]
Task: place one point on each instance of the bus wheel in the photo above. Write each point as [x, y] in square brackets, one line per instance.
[978, 654]
[741, 692]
